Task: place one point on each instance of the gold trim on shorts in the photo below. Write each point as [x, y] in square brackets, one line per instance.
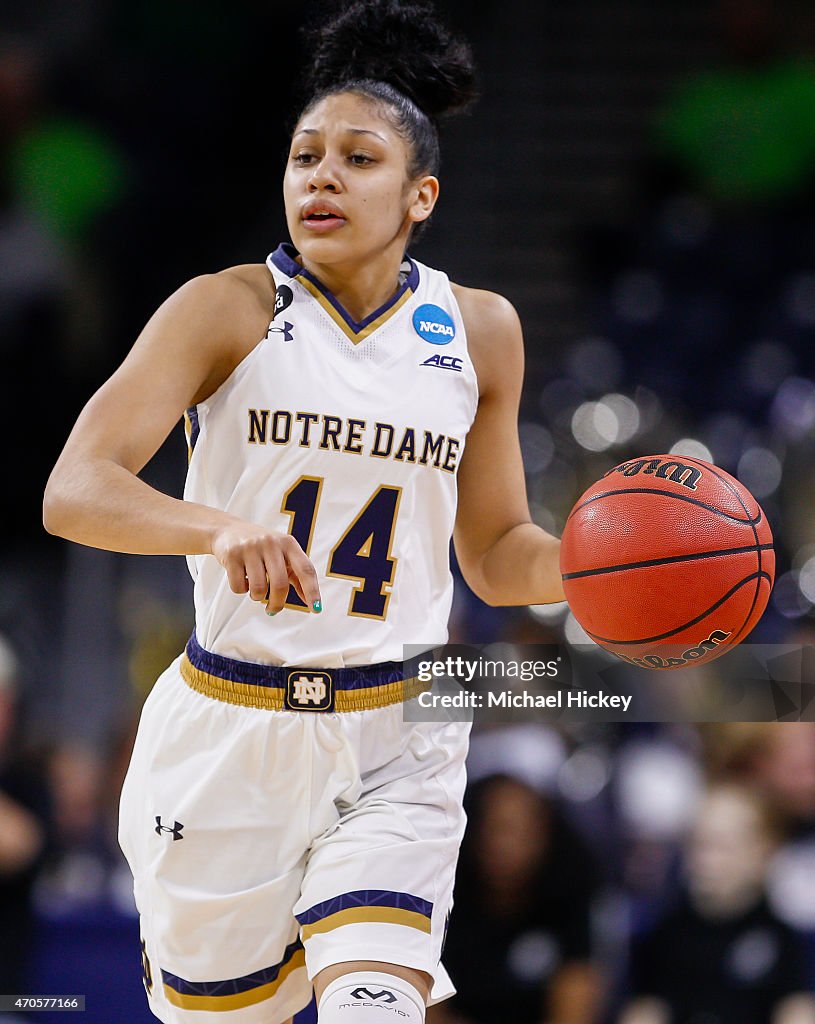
[237, 1000]
[368, 915]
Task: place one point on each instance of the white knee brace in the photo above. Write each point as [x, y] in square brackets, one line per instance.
[368, 997]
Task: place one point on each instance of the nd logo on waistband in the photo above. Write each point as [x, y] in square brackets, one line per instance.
[309, 691]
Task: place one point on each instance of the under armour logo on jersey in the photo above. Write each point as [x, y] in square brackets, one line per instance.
[444, 362]
[175, 830]
[365, 993]
[287, 330]
[309, 691]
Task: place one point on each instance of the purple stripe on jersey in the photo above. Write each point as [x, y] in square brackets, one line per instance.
[231, 986]
[284, 259]
[366, 898]
[195, 427]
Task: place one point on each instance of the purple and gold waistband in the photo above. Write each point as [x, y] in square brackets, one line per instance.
[292, 688]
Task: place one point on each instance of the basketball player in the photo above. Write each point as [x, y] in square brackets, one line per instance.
[286, 827]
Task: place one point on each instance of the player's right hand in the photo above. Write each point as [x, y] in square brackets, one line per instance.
[263, 563]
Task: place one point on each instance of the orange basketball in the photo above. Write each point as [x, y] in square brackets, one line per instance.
[667, 561]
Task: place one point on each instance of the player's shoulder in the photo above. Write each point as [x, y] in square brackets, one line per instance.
[225, 291]
[484, 311]
[227, 309]
[247, 286]
[494, 337]
[213, 320]
[251, 278]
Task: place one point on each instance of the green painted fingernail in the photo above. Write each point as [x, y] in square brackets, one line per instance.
[270, 613]
[317, 606]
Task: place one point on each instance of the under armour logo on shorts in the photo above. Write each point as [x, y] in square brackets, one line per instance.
[309, 691]
[175, 830]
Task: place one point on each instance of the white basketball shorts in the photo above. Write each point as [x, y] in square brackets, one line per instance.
[268, 843]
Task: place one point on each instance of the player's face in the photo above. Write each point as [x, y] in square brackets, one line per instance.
[347, 191]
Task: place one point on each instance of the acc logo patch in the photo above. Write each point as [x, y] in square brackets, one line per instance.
[444, 362]
[434, 324]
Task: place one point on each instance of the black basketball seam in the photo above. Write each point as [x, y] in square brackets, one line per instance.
[647, 563]
[731, 488]
[691, 622]
[672, 494]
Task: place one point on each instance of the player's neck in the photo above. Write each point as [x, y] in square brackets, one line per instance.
[360, 286]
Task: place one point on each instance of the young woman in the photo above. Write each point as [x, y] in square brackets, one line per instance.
[286, 826]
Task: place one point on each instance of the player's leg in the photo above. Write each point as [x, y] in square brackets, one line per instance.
[357, 990]
[378, 885]
[418, 979]
[211, 827]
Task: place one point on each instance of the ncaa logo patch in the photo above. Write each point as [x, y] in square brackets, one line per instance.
[434, 324]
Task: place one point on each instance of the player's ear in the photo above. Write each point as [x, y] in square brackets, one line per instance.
[423, 192]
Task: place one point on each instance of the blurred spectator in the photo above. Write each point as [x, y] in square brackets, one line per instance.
[79, 780]
[22, 836]
[776, 757]
[657, 785]
[785, 769]
[722, 956]
[519, 942]
[778, 760]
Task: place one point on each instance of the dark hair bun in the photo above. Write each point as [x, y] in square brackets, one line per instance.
[403, 44]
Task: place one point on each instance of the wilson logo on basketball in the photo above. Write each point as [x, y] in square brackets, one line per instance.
[678, 472]
[717, 637]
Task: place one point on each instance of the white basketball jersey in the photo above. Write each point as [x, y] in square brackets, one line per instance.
[348, 436]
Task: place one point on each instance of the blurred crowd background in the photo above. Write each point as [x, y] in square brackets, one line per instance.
[639, 179]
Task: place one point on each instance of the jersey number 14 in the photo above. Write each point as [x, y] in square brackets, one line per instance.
[363, 552]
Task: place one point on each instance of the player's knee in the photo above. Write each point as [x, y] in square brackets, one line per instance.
[359, 998]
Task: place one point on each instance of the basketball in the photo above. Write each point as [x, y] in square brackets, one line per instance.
[667, 562]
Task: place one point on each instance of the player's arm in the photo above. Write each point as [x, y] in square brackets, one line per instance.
[94, 495]
[505, 558]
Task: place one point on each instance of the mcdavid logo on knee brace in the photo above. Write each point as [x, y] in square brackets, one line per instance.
[365, 993]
